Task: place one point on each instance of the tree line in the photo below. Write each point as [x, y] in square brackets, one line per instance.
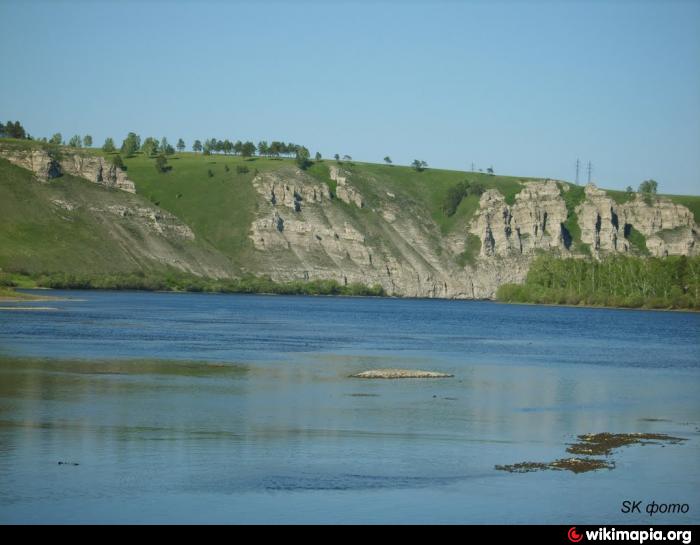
[618, 280]
[13, 129]
[192, 283]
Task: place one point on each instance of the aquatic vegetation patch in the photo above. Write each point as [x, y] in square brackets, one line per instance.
[576, 465]
[592, 444]
[602, 444]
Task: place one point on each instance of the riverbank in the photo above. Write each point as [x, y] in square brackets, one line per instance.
[600, 307]
[9, 295]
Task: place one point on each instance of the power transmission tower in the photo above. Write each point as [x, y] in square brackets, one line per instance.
[578, 164]
[472, 166]
[590, 168]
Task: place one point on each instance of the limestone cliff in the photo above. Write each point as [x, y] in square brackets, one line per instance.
[303, 231]
[47, 166]
[669, 228]
[533, 222]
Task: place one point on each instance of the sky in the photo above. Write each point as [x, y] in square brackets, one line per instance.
[523, 87]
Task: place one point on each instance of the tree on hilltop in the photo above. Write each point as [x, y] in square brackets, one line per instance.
[13, 130]
[248, 149]
[108, 146]
[149, 146]
[197, 146]
[165, 147]
[302, 157]
[87, 141]
[387, 160]
[180, 145]
[131, 144]
[648, 187]
[419, 165]
[56, 139]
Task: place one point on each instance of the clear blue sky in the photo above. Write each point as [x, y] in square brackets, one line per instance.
[526, 87]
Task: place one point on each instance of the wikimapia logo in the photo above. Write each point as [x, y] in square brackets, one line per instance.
[637, 536]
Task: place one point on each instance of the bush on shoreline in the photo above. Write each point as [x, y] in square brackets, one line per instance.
[191, 283]
[617, 281]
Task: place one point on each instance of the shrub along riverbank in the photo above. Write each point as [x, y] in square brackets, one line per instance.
[616, 281]
[190, 283]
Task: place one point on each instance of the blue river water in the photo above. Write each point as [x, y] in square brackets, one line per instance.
[234, 408]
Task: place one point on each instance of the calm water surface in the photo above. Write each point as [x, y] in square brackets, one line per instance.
[228, 408]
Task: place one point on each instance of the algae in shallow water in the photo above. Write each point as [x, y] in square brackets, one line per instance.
[592, 444]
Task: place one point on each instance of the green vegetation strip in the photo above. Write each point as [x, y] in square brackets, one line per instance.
[593, 444]
[617, 281]
[190, 283]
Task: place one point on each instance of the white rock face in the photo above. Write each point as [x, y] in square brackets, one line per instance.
[661, 216]
[669, 228]
[156, 220]
[532, 223]
[344, 191]
[599, 220]
[313, 238]
[93, 168]
[536, 222]
[38, 161]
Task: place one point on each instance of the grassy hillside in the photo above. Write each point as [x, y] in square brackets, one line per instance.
[218, 207]
[64, 226]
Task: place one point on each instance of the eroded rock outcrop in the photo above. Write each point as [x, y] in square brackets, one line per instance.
[95, 169]
[40, 162]
[536, 221]
[669, 228]
[533, 222]
[320, 240]
[602, 228]
[344, 190]
[46, 166]
[156, 220]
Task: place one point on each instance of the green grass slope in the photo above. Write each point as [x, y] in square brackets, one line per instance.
[218, 208]
[39, 234]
